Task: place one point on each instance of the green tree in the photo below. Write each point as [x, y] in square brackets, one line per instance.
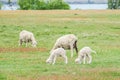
[58, 4]
[9, 1]
[113, 4]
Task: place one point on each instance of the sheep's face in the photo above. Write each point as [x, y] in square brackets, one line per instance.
[34, 43]
[77, 60]
[49, 61]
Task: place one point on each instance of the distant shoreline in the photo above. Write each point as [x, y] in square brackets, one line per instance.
[87, 3]
[88, 6]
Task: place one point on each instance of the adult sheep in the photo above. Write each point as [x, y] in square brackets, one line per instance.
[68, 42]
[27, 37]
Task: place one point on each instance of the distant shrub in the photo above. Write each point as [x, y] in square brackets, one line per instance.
[58, 4]
[42, 4]
[113, 4]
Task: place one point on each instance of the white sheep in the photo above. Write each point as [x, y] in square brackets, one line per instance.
[27, 37]
[55, 53]
[84, 53]
[68, 41]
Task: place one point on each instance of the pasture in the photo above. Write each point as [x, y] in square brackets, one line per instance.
[99, 29]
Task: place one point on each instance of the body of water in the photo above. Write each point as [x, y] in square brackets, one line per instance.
[10, 7]
[88, 6]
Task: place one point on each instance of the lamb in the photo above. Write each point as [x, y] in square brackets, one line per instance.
[84, 53]
[68, 42]
[55, 53]
[27, 37]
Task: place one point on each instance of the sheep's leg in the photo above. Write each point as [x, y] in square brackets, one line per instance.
[66, 60]
[71, 47]
[20, 42]
[84, 59]
[87, 59]
[26, 44]
[80, 59]
[90, 59]
[54, 60]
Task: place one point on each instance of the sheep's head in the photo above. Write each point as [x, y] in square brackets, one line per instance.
[77, 60]
[34, 43]
[49, 61]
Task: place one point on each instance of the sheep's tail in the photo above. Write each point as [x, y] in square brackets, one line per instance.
[94, 51]
[75, 46]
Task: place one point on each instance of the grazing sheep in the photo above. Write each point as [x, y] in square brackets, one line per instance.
[68, 41]
[26, 37]
[55, 53]
[84, 53]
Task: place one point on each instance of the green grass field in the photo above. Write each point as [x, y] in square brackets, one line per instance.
[99, 29]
